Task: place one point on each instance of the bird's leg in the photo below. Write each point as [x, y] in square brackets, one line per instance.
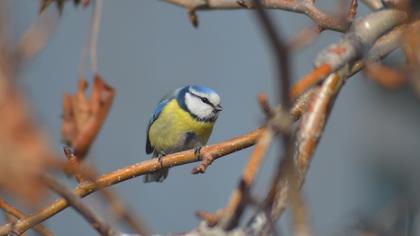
[160, 156]
[197, 152]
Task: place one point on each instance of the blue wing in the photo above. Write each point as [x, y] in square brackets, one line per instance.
[158, 110]
[162, 103]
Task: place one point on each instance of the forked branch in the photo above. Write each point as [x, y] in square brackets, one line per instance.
[323, 20]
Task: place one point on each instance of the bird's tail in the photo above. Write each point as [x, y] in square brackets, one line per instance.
[157, 176]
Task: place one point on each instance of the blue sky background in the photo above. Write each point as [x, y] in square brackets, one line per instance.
[147, 48]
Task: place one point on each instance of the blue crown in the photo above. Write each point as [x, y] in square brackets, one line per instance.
[202, 89]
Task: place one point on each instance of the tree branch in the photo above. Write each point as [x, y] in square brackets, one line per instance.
[232, 213]
[313, 122]
[94, 31]
[283, 123]
[308, 144]
[75, 202]
[309, 133]
[323, 20]
[115, 204]
[363, 34]
[129, 172]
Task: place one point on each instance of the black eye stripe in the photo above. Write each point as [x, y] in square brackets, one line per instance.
[203, 99]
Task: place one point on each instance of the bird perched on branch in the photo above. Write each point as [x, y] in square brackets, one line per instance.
[182, 120]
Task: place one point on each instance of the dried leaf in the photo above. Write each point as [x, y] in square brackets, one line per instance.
[83, 117]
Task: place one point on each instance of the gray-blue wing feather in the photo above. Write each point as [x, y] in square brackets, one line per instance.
[162, 103]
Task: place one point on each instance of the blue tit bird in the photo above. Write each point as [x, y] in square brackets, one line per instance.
[182, 120]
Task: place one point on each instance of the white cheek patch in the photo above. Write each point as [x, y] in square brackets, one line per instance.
[197, 107]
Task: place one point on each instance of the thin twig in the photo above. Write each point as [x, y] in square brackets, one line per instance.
[281, 53]
[91, 41]
[264, 105]
[74, 162]
[206, 160]
[75, 202]
[351, 14]
[96, 22]
[9, 209]
[309, 80]
[304, 38]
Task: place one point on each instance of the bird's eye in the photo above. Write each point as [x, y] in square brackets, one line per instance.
[205, 100]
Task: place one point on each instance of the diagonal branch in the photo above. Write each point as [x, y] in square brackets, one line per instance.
[129, 172]
[75, 201]
[115, 204]
[312, 125]
[230, 215]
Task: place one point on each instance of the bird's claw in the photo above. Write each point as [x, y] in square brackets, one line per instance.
[160, 158]
[197, 152]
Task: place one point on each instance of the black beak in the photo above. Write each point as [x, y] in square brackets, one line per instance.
[218, 108]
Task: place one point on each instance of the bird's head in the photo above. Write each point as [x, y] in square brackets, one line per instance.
[201, 102]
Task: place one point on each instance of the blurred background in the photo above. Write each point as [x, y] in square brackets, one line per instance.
[365, 170]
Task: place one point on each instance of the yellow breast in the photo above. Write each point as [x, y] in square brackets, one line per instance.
[168, 131]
